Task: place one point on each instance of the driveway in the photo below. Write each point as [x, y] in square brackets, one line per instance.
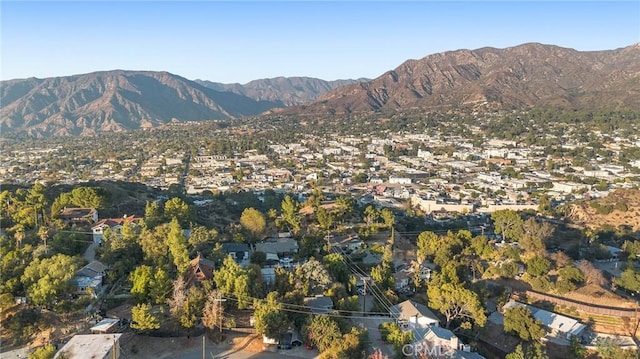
[371, 324]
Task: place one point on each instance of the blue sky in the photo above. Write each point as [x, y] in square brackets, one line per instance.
[242, 41]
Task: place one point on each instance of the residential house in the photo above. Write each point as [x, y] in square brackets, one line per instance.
[347, 243]
[115, 224]
[557, 325]
[239, 251]
[78, 216]
[95, 346]
[402, 280]
[413, 313]
[281, 246]
[446, 344]
[319, 304]
[105, 326]
[200, 269]
[88, 279]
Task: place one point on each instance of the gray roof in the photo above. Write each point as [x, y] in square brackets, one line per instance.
[234, 247]
[409, 308]
[282, 245]
[319, 304]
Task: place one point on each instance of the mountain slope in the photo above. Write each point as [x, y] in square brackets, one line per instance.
[525, 75]
[114, 101]
[290, 91]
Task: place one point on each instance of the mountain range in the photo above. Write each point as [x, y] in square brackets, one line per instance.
[516, 77]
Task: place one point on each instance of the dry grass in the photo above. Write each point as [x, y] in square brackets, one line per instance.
[597, 295]
[583, 212]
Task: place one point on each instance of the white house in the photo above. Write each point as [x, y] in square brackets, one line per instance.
[416, 314]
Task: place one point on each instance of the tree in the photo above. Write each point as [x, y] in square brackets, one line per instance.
[253, 221]
[337, 267]
[258, 258]
[534, 235]
[231, 279]
[153, 214]
[201, 237]
[178, 298]
[313, 275]
[456, 302]
[427, 244]
[143, 318]
[325, 218]
[213, 312]
[388, 217]
[519, 321]
[538, 266]
[44, 352]
[371, 215]
[290, 213]
[49, 278]
[630, 280]
[140, 282]
[592, 275]
[177, 243]
[178, 209]
[322, 331]
[268, 318]
[518, 353]
[508, 223]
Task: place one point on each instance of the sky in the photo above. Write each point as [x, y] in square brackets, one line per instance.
[241, 41]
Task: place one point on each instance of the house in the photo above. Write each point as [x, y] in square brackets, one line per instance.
[413, 313]
[78, 216]
[402, 280]
[350, 242]
[446, 344]
[88, 279]
[557, 325]
[239, 251]
[115, 224]
[95, 346]
[319, 304]
[281, 246]
[200, 269]
[105, 326]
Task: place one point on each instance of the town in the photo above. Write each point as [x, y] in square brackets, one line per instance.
[403, 236]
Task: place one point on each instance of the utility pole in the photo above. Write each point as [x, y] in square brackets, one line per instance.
[203, 349]
[364, 294]
[220, 301]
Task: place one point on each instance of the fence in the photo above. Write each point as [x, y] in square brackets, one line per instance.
[588, 308]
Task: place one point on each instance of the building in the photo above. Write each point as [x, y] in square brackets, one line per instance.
[200, 269]
[115, 224]
[413, 313]
[281, 246]
[94, 346]
[319, 304]
[88, 279]
[556, 325]
[78, 216]
[239, 251]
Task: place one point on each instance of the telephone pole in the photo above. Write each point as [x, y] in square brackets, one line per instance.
[364, 294]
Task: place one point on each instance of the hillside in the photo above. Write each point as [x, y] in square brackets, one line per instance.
[289, 91]
[621, 207]
[521, 76]
[114, 101]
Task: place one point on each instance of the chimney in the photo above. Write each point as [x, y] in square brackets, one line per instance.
[454, 342]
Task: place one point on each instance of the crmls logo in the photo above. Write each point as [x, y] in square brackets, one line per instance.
[423, 350]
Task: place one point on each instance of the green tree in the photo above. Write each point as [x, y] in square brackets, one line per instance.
[268, 318]
[519, 321]
[49, 278]
[44, 352]
[322, 331]
[290, 213]
[630, 280]
[231, 279]
[388, 217]
[202, 238]
[325, 218]
[427, 244]
[456, 303]
[153, 214]
[177, 243]
[337, 267]
[538, 266]
[258, 258]
[140, 282]
[143, 318]
[508, 223]
[518, 353]
[178, 209]
[253, 221]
